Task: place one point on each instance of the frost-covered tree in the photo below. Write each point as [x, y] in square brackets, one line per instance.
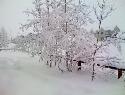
[60, 20]
[60, 38]
[75, 16]
[20, 43]
[3, 38]
[102, 10]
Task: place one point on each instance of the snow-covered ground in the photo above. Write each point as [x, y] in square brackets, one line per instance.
[21, 74]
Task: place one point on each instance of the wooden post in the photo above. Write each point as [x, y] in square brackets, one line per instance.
[79, 65]
[119, 73]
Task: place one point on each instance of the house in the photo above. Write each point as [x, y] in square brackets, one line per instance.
[104, 34]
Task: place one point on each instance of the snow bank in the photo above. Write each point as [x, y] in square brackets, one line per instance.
[33, 78]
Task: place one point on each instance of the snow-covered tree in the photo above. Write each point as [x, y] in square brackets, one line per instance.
[60, 38]
[60, 20]
[102, 10]
[3, 38]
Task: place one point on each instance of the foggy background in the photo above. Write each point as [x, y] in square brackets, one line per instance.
[11, 15]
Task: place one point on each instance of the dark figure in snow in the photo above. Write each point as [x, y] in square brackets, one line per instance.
[79, 64]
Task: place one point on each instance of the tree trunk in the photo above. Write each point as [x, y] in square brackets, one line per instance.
[93, 71]
[65, 11]
[48, 10]
[65, 6]
[100, 22]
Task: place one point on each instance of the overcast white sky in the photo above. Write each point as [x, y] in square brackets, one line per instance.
[11, 15]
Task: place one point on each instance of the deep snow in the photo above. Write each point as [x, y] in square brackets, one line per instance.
[21, 74]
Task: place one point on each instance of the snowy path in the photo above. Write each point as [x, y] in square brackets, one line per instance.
[21, 74]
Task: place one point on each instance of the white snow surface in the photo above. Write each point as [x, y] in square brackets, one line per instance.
[21, 74]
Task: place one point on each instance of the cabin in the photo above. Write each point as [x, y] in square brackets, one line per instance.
[104, 34]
